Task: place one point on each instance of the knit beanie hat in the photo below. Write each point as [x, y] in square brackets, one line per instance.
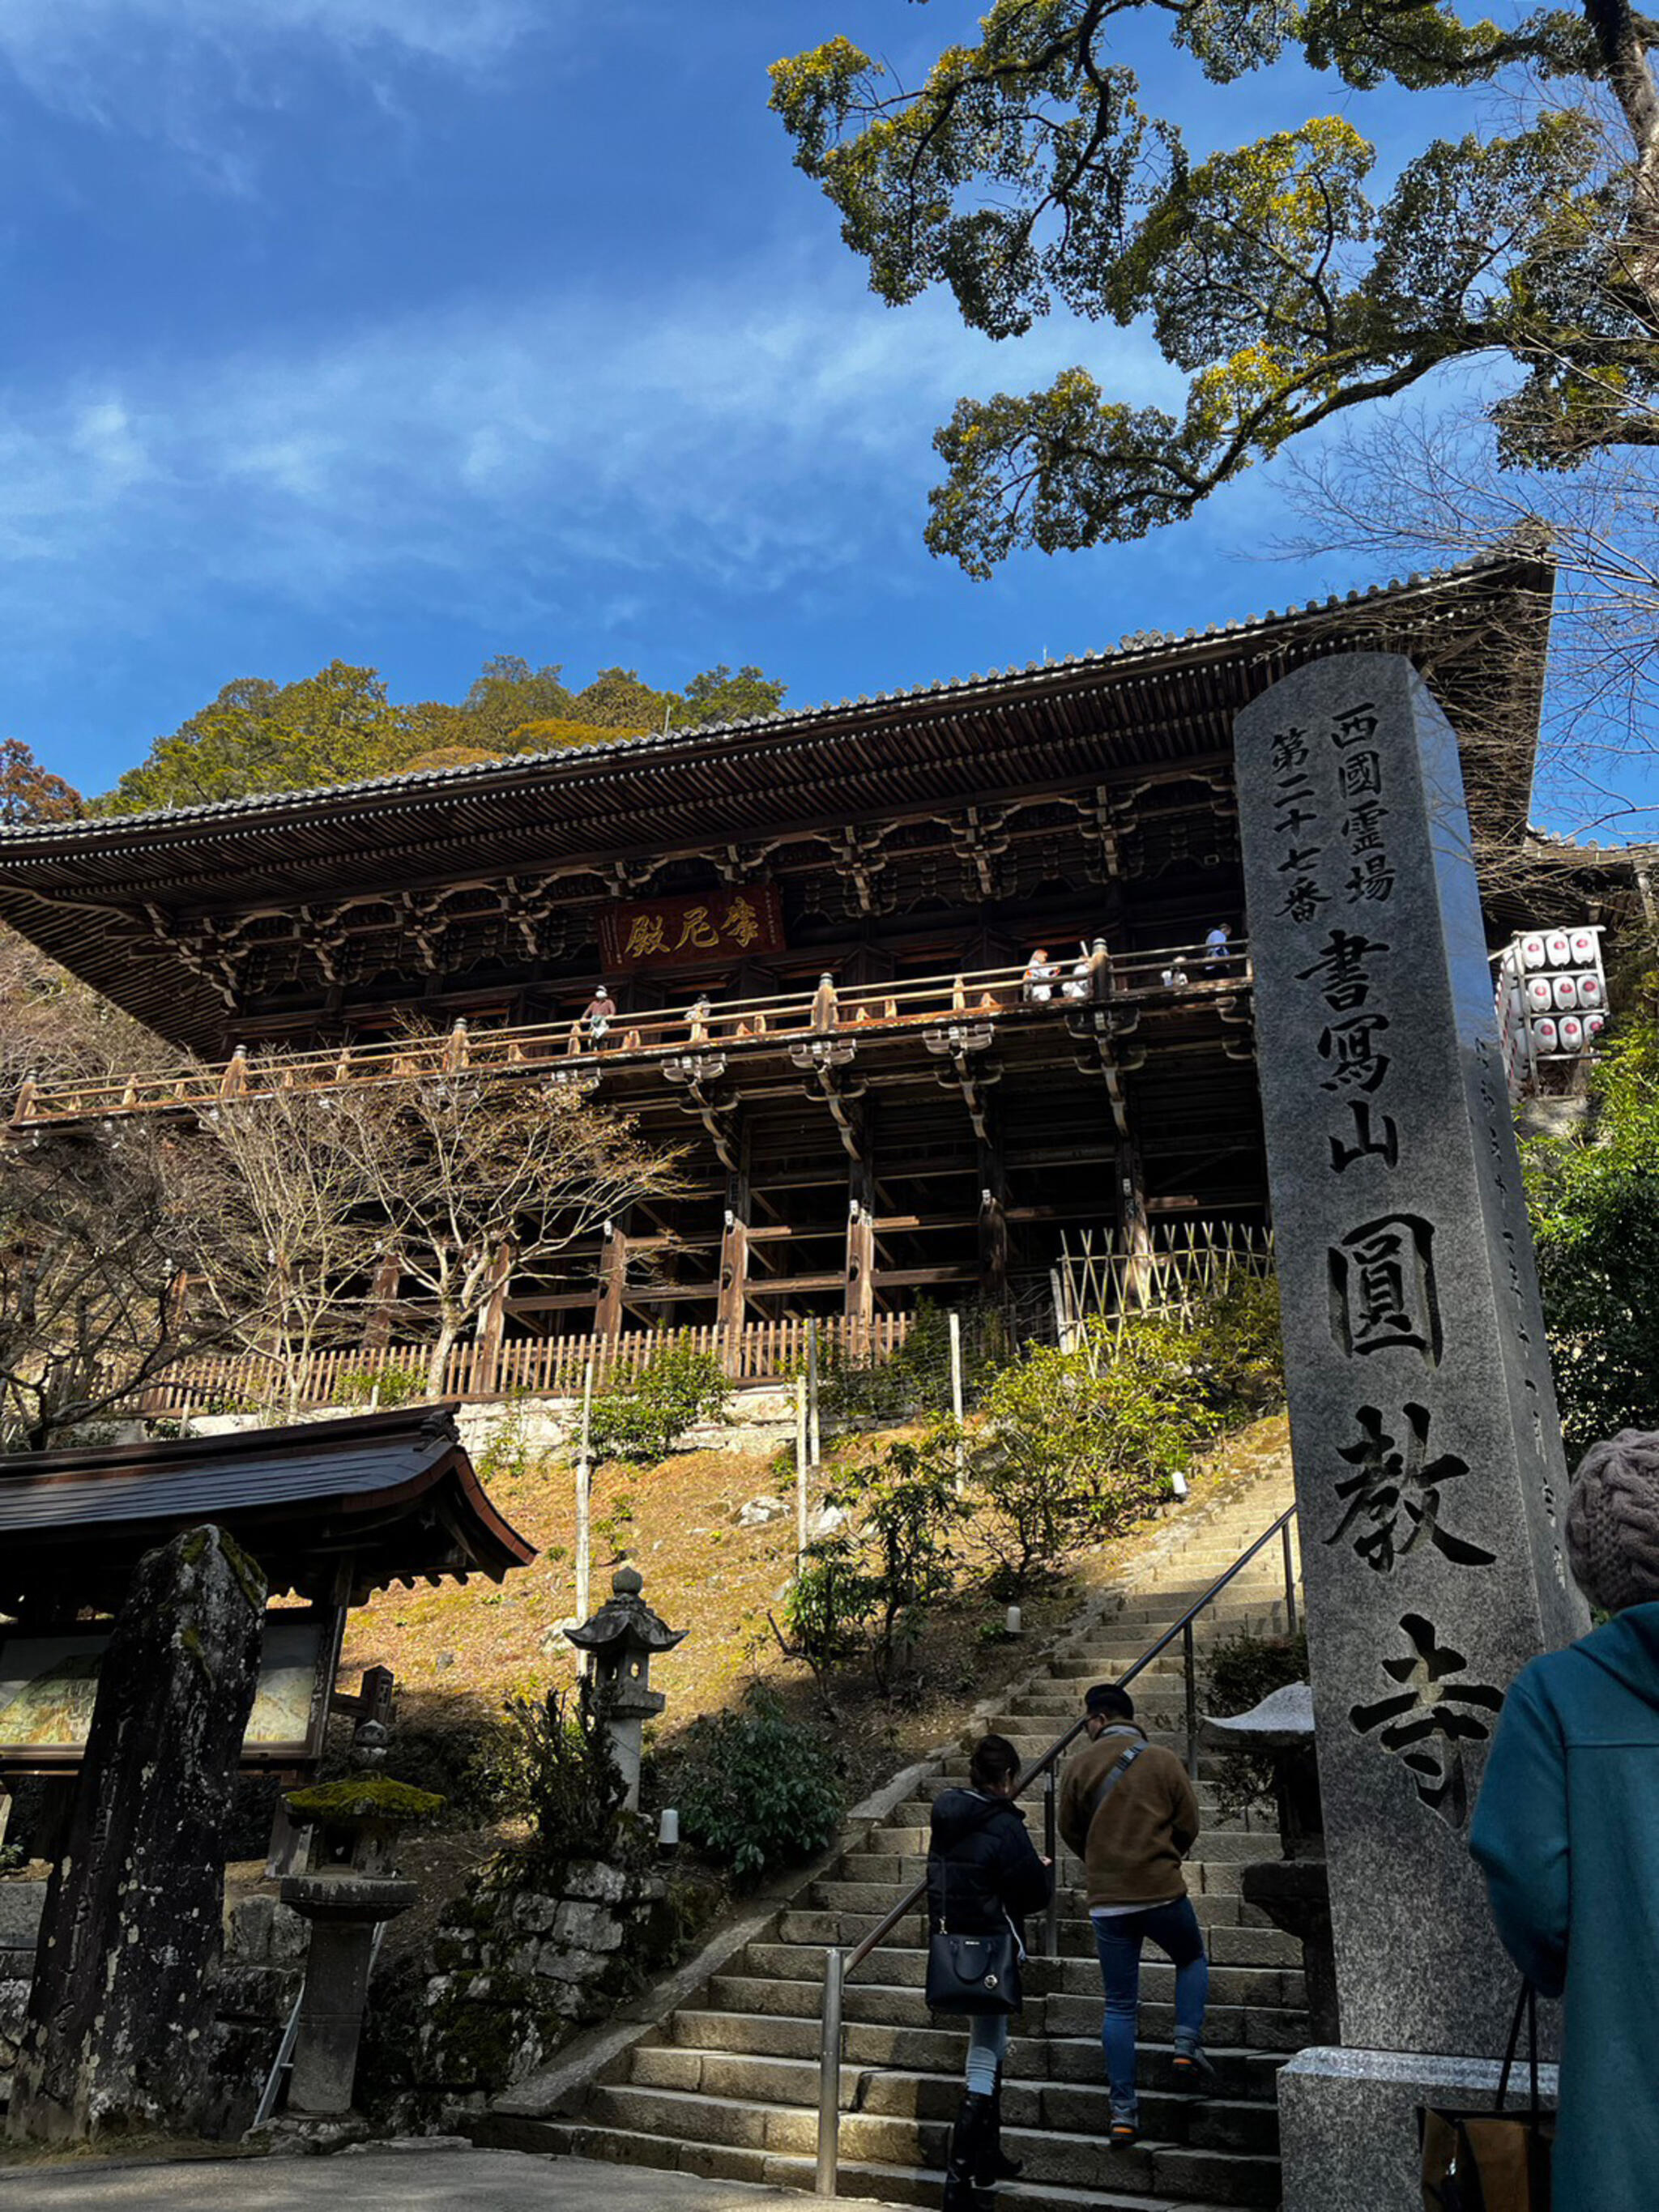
[1613, 1521]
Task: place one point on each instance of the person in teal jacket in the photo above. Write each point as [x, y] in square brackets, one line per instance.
[1566, 1831]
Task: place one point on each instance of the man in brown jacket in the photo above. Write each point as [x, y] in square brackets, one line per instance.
[1128, 1810]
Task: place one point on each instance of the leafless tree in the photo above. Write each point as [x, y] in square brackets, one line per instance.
[101, 1236]
[471, 1174]
[1423, 487]
[304, 1233]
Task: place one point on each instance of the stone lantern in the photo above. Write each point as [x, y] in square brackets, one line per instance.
[620, 1640]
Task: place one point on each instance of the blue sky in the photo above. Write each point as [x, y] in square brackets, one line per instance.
[410, 332]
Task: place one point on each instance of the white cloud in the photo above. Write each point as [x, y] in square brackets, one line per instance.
[191, 73]
[573, 447]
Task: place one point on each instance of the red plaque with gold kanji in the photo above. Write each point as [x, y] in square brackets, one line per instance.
[677, 933]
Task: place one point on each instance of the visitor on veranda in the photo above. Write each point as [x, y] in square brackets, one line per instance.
[1040, 976]
[984, 1876]
[598, 1014]
[1128, 1810]
[1216, 945]
[1566, 1829]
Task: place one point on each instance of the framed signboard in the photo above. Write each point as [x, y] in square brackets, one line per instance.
[49, 1683]
[681, 932]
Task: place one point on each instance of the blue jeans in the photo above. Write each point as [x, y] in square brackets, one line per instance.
[1174, 1928]
[988, 2042]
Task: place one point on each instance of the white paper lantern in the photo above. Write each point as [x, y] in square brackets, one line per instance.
[1571, 1033]
[1540, 998]
[1559, 946]
[1544, 1035]
[1589, 991]
[1565, 988]
[1531, 951]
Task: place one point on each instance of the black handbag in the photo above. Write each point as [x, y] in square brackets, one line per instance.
[1496, 2160]
[971, 1974]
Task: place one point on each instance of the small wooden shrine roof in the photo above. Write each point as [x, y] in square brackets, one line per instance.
[96, 895]
[388, 1496]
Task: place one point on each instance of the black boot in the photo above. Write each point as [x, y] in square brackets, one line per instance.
[992, 2166]
[963, 2192]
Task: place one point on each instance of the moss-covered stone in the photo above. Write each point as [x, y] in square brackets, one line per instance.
[360, 1801]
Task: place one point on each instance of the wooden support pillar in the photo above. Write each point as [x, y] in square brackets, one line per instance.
[492, 1321]
[382, 1297]
[861, 1298]
[1134, 1229]
[993, 1216]
[733, 1308]
[613, 1282]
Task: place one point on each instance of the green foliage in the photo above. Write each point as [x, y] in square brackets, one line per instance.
[1242, 1672]
[385, 1386]
[341, 725]
[1081, 1442]
[548, 1760]
[865, 1589]
[643, 1418]
[1024, 172]
[1593, 1199]
[916, 1380]
[758, 1790]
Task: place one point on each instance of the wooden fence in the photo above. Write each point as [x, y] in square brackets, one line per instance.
[1179, 1263]
[535, 1367]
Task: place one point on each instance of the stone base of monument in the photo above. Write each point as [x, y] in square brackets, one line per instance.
[302, 2135]
[1348, 2122]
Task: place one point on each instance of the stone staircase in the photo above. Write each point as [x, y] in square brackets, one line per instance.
[726, 2086]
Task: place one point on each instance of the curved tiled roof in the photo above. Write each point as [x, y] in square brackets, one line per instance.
[1137, 645]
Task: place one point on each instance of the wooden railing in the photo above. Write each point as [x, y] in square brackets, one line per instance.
[536, 1367]
[565, 1049]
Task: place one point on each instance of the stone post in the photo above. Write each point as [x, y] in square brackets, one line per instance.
[1428, 1459]
[120, 2011]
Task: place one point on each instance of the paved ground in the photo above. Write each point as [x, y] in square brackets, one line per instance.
[423, 2178]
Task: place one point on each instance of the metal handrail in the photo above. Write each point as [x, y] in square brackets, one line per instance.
[838, 1966]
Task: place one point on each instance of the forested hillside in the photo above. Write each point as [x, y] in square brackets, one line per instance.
[341, 724]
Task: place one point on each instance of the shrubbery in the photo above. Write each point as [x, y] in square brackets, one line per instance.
[548, 1760]
[864, 1591]
[644, 1417]
[758, 1790]
[395, 1386]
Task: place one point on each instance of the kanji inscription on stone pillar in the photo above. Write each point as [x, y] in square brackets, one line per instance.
[1428, 1457]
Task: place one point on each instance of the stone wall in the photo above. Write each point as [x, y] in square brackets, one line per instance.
[762, 1418]
[510, 1975]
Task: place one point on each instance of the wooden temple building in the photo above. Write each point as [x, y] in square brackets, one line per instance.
[817, 928]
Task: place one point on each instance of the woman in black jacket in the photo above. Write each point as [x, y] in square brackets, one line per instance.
[983, 1876]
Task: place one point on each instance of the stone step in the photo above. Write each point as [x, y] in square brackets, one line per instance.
[1177, 2172]
[1263, 2028]
[840, 1921]
[935, 2094]
[860, 2179]
[1233, 1845]
[907, 1969]
[1250, 1941]
[1244, 2075]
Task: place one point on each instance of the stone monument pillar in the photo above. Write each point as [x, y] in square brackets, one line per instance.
[119, 2013]
[1428, 1458]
